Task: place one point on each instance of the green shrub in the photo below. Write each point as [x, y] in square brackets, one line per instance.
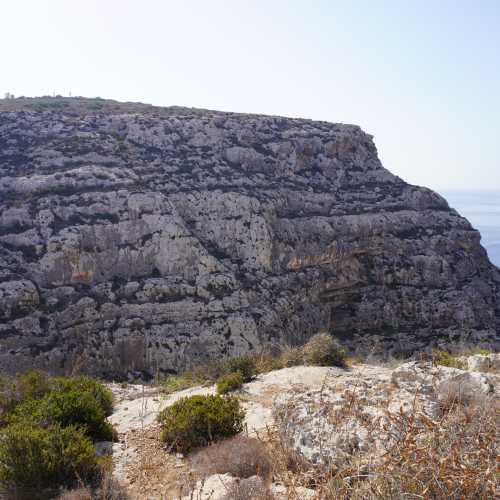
[174, 383]
[243, 364]
[29, 385]
[444, 358]
[34, 459]
[65, 408]
[82, 384]
[323, 350]
[32, 385]
[200, 420]
[230, 382]
[482, 351]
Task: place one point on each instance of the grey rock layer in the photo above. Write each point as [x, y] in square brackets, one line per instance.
[149, 241]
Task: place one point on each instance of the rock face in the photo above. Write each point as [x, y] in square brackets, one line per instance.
[135, 238]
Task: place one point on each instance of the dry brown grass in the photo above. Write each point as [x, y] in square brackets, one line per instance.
[450, 457]
[455, 393]
[252, 488]
[109, 489]
[76, 494]
[240, 456]
[321, 350]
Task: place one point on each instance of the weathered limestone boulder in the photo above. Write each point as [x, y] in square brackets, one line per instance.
[484, 362]
[139, 239]
[426, 378]
[355, 412]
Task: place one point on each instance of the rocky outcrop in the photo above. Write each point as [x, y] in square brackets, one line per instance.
[322, 418]
[354, 413]
[142, 239]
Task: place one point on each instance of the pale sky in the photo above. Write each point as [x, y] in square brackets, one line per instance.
[422, 76]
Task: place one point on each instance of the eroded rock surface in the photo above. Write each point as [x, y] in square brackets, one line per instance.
[324, 415]
[355, 413]
[137, 239]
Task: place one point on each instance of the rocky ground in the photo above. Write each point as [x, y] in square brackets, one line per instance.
[326, 414]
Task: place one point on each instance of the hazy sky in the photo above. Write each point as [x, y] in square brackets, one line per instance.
[422, 76]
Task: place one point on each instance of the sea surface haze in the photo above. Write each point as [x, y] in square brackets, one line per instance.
[482, 209]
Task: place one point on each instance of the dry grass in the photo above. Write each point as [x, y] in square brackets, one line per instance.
[444, 358]
[240, 456]
[455, 393]
[452, 457]
[321, 350]
[76, 494]
[109, 489]
[252, 488]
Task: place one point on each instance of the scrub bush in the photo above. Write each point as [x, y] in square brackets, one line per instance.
[230, 382]
[36, 461]
[323, 350]
[66, 408]
[243, 364]
[197, 421]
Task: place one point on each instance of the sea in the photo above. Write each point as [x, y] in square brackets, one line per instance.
[482, 209]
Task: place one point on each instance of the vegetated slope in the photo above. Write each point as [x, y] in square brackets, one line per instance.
[136, 238]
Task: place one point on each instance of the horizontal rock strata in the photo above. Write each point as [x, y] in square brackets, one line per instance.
[138, 239]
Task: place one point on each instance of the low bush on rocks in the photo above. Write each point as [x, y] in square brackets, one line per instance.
[51, 423]
[174, 383]
[323, 350]
[66, 408]
[35, 461]
[244, 365]
[481, 351]
[240, 456]
[211, 373]
[252, 488]
[444, 358]
[197, 421]
[291, 356]
[230, 382]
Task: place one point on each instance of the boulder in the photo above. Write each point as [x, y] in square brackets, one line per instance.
[484, 363]
[358, 413]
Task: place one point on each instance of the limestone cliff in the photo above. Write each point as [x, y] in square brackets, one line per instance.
[135, 238]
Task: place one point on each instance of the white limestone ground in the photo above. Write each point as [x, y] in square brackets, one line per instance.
[303, 400]
[137, 407]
